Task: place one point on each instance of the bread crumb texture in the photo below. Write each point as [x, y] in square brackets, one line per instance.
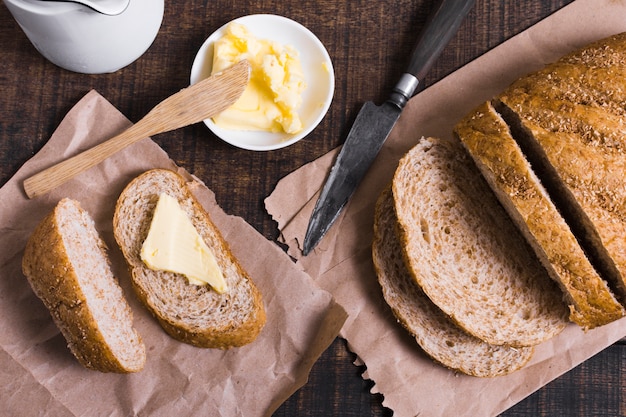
[462, 249]
[439, 337]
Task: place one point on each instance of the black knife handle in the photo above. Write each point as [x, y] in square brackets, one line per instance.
[442, 24]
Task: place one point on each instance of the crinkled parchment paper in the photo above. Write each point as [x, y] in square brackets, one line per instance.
[411, 384]
[38, 374]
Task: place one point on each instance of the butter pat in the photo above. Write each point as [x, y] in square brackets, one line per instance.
[174, 245]
[274, 93]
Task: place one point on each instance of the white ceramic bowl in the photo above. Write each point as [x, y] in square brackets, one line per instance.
[316, 65]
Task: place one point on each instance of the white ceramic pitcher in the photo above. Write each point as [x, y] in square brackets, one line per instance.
[81, 39]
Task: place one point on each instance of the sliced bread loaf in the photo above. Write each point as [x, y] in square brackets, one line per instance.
[466, 254]
[66, 264]
[489, 141]
[569, 120]
[438, 336]
[194, 314]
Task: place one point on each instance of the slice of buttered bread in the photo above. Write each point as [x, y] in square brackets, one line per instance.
[194, 314]
[490, 142]
[438, 336]
[465, 252]
[66, 264]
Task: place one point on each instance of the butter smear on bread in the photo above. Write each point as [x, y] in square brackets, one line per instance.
[174, 245]
[273, 95]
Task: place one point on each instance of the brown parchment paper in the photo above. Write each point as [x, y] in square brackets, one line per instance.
[38, 374]
[410, 383]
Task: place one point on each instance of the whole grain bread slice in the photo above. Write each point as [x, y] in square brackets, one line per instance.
[437, 335]
[488, 139]
[193, 314]
[67, 266]
[466, 254]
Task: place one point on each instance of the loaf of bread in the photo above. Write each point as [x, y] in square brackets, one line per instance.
[488, 139]
[552, 146]
[570, 119]
[438, 336]
[194, 314]
[67, 266]
[466, 254]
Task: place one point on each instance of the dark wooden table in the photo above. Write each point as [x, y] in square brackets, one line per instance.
[369, 42]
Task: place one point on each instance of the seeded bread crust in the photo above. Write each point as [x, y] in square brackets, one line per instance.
[488, 139]
[572, 114]
[193, 314]
[466, 254]
[66, 264]
[437, 335]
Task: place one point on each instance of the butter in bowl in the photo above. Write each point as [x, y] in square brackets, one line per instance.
[291, 85]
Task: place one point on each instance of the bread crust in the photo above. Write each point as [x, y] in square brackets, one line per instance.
[54, 279]
[488, 139]
[196, 315]
[572, 112]
[554, 152]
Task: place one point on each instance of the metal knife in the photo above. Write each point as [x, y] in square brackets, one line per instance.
[374, 123]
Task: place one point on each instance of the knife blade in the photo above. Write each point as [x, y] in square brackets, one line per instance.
[373, 123]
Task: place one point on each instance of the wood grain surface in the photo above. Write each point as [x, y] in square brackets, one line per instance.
[369, 42]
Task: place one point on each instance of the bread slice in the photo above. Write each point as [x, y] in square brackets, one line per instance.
[466, 254]
[193, 314]
[569, 119]
[66, 264]
[490, 142]
[438, 336]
